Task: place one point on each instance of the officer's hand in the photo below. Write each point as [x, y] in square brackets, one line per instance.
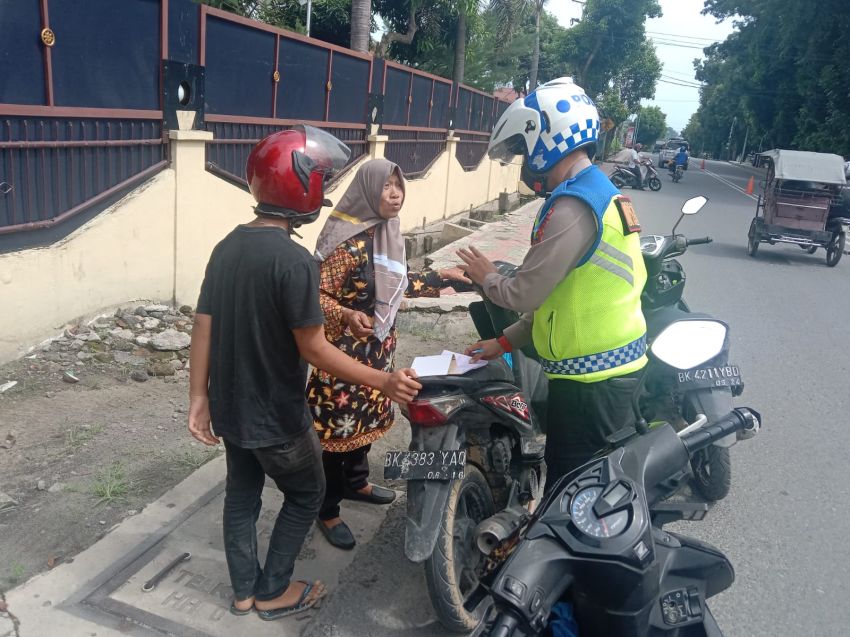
[401, 386]
[477, 265]
[485, 350]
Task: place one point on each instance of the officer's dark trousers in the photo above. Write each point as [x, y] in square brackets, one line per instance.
[580, 418]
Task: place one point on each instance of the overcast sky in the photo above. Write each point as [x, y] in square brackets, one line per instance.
[679, 36]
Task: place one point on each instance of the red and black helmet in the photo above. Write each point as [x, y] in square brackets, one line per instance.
[287, 172]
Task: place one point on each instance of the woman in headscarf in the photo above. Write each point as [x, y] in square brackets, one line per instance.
[363, 280]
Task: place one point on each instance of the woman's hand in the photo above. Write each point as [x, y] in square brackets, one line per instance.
[485, 350]
[453, 274]
[359, 323]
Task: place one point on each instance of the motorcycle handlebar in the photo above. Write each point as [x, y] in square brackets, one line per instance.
[740, 419]
[700, 241]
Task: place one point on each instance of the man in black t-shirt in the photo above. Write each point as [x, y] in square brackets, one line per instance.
[258, 323]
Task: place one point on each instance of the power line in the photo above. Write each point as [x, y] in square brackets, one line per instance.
[682, 37]
[677, 44]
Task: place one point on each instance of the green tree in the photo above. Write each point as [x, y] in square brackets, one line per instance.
[783, 73]
[652, 123]
[514, 12]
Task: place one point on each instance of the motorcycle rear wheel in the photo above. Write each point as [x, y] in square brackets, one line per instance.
[618, 181]
[712, 469]
[654, 184]
[451, 571]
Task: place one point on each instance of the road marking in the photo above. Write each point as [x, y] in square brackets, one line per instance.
[730, 184]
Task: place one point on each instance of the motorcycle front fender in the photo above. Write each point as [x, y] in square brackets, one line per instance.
[426, 499]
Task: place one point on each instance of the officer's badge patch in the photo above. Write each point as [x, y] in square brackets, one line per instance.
[628, 215]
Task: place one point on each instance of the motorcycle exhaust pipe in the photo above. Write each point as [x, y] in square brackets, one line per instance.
[496, 529]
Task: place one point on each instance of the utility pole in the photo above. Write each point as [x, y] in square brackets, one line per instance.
[729, 141]
[746, 138]
[309, 4]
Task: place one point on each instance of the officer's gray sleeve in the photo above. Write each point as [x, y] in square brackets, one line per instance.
[568, 235]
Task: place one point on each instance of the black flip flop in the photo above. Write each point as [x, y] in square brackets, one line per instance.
[238, 611]
[298, 607]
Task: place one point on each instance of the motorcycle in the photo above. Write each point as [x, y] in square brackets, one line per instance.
[595, 560]
[677, 173]
[701, 394]
[476, 453]
[622, 177]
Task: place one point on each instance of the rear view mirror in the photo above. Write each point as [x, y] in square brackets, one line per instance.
[694, 205]
[688, 343]
[690, 207]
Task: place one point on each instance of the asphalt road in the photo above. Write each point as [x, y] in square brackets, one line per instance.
[785, 523]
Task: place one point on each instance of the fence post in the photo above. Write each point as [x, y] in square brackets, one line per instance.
[188, 160]
[377, 146]
[451, 154]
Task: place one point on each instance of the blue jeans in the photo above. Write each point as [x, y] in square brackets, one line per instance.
[296, 468]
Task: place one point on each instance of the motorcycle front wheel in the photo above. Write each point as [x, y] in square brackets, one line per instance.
[654, 184]
[451, 573]
[712, 469]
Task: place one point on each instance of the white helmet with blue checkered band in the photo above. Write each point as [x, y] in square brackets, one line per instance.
[545, 126]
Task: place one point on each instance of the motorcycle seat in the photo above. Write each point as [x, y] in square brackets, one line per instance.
[495, 371]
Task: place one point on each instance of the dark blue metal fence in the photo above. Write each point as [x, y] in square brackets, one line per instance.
[83, 102]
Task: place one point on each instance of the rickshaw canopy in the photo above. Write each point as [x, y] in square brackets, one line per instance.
[799, 165]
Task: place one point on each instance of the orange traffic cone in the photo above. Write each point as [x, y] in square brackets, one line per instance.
[702, 166]
[750, 185]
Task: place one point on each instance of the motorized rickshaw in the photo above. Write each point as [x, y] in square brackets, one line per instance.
[800, 203]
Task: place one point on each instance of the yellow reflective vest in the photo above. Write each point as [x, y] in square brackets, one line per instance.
[591, 326]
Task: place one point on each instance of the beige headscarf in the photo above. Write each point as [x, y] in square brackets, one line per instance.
[356, 212]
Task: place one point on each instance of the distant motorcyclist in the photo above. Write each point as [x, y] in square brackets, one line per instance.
[635, 161]
[681, 159]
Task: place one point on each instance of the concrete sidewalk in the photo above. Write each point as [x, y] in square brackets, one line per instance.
[99, 592]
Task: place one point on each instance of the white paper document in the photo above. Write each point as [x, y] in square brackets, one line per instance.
[447, 363]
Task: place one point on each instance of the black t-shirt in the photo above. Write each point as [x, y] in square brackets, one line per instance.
[259, 286]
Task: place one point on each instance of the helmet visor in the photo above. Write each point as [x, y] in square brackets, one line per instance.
[329, 154]
[505, 150]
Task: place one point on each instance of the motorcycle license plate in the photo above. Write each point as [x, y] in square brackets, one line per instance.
[710, 377]
[425, 465]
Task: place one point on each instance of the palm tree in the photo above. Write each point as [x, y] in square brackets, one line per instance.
[510, 14]
[361, 20]
[465, 9]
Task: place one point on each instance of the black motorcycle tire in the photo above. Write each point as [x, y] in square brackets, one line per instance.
[712, 469]
[470, 501]
[654, 184]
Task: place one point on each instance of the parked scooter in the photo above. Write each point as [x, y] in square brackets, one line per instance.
[622, 177]
[594, 560]
[703, 394]
[476, 453]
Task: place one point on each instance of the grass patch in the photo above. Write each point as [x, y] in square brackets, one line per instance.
[111, 484]
[16, 573]
[80, 435]
[193, 460]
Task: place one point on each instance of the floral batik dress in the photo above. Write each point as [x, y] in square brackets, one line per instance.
[348, 416]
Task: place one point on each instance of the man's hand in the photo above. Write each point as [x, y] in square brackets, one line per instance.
[199, 421]
[401, 386]
[359, 323]
[485, 350]
[477, 265]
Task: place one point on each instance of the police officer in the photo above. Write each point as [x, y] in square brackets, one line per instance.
[580, 283]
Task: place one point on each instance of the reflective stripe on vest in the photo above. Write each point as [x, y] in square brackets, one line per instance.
[597, 362]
